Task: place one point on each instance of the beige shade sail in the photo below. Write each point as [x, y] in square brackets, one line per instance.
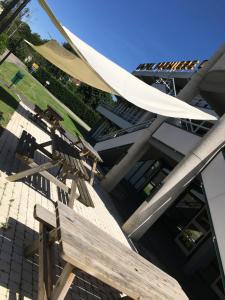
[71, 64]
[93, 68]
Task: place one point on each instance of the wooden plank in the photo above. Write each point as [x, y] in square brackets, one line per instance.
[90, 249]
[45, 144]
[30, 171]
[44, 216]
[52, 178]
[26, 145]
[90, 149]
[63, 283]
[47, 218]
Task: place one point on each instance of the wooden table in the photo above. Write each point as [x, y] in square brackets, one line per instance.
[85, 246]
[72, 167]
[87, 150]
[49, 115]
[63, 155]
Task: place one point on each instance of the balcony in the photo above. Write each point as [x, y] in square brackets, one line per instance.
[123, 115]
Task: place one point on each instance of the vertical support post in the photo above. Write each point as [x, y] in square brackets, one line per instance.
[73, 195]
[46, 262]
[93, 172]
[42, 292]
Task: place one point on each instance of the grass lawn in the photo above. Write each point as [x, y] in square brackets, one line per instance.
[30, 88]
[8, 103]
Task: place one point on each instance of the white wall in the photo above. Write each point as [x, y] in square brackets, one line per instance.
[213, 177]
[125, 139]
[176, 138]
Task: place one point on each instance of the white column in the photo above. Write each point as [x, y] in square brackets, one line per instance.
[177, 181]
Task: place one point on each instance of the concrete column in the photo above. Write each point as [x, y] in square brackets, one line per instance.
[137, 150]
[145, 117]
[177, 181]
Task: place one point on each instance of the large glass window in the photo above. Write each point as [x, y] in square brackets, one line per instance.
[182, 212]
[194, 232]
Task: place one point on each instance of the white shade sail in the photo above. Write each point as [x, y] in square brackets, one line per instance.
[94, 69]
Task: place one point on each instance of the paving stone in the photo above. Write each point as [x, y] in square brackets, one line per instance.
[18, 276]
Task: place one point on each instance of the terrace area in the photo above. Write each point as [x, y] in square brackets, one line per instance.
[18, 275]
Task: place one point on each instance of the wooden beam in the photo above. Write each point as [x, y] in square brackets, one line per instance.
[63, 283]
[42, 293]
[93, 172]
[73, 193]
[30, 172]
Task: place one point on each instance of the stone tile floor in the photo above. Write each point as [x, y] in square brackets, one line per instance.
[18, 276]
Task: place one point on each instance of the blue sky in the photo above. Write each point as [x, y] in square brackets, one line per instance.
[131, 32]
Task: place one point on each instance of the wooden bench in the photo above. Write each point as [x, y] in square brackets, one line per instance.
[65, 156]
[71, 160]
[38, 111]
[73, 168]
[37, 119]
[25, 150]
[49, 115]
[88, 151]
[26, 146]
[83, 245]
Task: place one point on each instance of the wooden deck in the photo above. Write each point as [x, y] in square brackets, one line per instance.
[18, 276]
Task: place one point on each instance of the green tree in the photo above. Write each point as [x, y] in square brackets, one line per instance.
[3, 42]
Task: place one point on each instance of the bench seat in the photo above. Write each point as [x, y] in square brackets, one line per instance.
[26, 146]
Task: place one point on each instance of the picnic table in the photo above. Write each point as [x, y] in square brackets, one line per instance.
[88, 151]
[84, 246]
[49, 115]
[64, 156]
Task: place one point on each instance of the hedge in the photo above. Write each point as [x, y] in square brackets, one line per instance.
[71, 100]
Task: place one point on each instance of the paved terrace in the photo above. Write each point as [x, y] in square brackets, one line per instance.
[19, 276]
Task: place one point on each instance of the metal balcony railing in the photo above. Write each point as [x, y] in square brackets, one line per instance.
[132, 116]
[192, 126]
[196, 127]
[121, 132]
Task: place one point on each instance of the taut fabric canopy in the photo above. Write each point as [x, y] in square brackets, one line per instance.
[71, 64]
[93, 68]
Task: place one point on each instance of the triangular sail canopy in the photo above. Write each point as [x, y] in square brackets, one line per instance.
[71, 64]
[93, 68]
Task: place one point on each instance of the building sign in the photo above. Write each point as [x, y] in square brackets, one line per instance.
[172, 65]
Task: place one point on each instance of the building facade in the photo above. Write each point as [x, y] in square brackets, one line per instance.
[183, 240]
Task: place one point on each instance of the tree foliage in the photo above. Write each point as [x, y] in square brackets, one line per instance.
[72, 100]
[3, 42]
[18, 31]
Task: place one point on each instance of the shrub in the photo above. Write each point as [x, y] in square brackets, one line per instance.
[73, 101]
[3, 42]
